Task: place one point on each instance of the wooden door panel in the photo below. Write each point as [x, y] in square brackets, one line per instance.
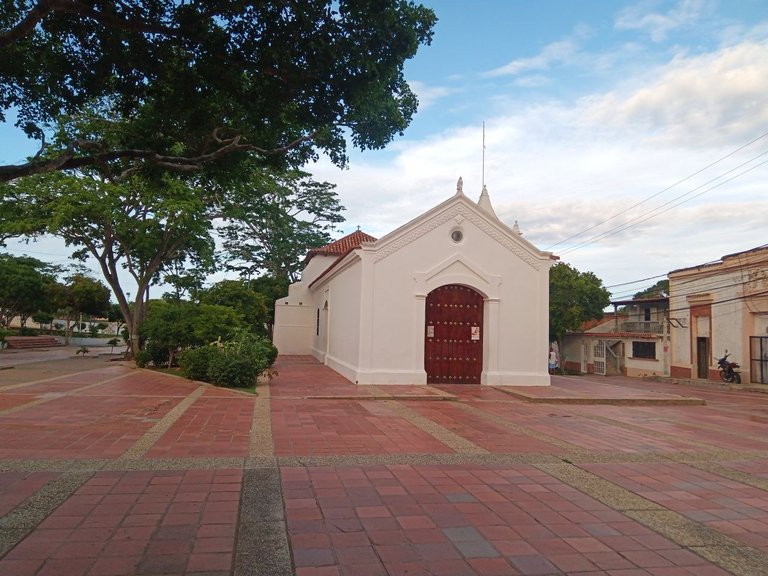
[453, 341]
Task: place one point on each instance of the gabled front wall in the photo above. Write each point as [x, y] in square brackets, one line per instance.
[399, 275]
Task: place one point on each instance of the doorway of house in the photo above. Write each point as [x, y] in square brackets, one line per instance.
[702, 357]
[453, 335]
[758, 359]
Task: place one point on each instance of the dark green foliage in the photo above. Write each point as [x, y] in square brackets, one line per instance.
[270, 232]
[236, 363]
[251, 306]
[24, 287]
[182, 84]
[172, 325]
[658, 290]
[574, 298]
[194, 362]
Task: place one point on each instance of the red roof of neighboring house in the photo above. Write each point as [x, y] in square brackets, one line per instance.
[342, 245]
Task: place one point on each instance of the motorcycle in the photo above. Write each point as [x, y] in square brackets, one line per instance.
[728, 370]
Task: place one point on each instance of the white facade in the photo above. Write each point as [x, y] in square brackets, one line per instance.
[364, 314]
[718, 306]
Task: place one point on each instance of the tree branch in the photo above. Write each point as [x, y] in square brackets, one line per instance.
[68, 160]
[44, 7]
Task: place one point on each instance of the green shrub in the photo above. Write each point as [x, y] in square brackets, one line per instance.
[142, 358]
[158, 353]
[194, 362]
[235, 363]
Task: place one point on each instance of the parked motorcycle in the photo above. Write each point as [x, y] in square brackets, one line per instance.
[728, 370]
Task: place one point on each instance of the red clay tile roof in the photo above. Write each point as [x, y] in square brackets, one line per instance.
[342, 245]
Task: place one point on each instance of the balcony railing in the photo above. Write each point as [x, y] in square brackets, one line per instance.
[642, 327]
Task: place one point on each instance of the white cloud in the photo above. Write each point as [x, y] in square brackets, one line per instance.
[427, 94]
[658, 25]
[553, 53]
[562, 167]
[693, 100]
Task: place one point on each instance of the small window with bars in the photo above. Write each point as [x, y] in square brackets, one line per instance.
[644, 350]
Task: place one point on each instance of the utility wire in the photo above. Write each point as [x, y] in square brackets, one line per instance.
[658, 210]
[652, 196]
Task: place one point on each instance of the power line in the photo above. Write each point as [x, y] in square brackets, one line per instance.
[657, 211]
[708, 166]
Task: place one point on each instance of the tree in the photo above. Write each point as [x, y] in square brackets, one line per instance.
[251, 306]
[574, 298]
[81, 295]
[140, 225]
[171, 325]
[658, 290]
[270, 232]
[271, 288]
[24, 282]
[206, 82]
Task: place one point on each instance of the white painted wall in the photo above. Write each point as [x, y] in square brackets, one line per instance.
[376, 297]
[735, 314]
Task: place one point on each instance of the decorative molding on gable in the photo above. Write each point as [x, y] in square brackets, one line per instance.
[459, 213]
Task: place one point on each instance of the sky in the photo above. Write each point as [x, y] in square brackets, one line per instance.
[627, 137]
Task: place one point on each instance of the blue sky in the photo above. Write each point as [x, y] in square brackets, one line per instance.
[594, 110]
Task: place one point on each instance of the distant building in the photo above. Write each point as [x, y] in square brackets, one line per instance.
[453, 296]
[721, 306]
[631, 341]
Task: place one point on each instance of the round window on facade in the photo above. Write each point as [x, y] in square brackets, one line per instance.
[457, 236]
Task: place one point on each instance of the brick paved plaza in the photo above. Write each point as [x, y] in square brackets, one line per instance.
[106, 469]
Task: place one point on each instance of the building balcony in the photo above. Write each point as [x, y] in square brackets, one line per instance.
[642, 327]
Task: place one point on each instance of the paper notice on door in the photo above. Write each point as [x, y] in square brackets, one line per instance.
[475, 332]
[430, 331]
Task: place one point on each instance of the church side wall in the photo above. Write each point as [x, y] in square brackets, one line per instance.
[343, 318]
[292, 333]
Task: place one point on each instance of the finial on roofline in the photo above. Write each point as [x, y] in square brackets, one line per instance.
[460, 186]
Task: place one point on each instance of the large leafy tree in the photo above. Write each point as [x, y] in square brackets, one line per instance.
[270, 232]
[80, 295]
[250, 305]
[574, 298]
[24, 285]
[136, 227]
[206, 82]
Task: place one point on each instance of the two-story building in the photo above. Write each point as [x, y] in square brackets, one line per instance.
[632, 341]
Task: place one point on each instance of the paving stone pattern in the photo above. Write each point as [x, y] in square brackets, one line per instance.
[108, 470]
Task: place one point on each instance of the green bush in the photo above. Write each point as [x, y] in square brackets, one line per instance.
[142, 358]
[194, 362]
[236, 363]
[158, 353]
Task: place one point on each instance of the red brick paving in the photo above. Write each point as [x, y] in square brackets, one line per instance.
[464, 520]
[322, 427]
[481, 431]
[375, 519]
[212, 426]
[80, 427]
[730, 507]
[137, 523]
[16, 487]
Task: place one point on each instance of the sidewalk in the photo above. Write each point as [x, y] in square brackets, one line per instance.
[106, 469]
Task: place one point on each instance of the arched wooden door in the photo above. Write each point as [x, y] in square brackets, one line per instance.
[453, 335]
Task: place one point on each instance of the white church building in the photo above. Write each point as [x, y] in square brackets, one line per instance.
[454, 296]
